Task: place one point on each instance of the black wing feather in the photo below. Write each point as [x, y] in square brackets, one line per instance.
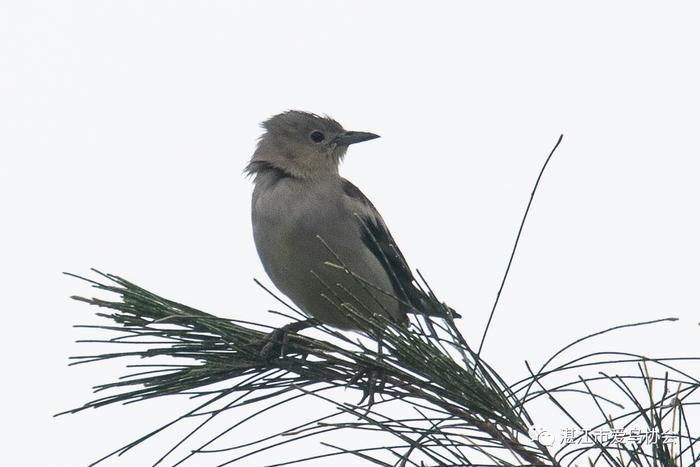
[378, 239]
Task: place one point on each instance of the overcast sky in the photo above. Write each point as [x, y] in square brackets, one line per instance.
[125, 127]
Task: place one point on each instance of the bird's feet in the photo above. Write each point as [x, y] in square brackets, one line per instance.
[371, 381]
[275, 344]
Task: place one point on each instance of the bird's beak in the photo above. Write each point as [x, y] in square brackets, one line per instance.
[352, 137]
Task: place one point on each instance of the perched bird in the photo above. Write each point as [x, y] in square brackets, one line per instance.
[311, 226]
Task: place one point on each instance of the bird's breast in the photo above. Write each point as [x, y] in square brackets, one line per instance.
[288, 220]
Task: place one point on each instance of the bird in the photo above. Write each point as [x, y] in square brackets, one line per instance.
[319, 238]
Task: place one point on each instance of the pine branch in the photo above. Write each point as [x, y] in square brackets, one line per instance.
[416, 364]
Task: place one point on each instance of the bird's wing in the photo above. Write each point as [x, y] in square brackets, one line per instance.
[378, 239]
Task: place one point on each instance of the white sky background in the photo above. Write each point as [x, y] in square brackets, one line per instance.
[125, 126]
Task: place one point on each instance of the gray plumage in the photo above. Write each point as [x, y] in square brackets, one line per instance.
[300, 196]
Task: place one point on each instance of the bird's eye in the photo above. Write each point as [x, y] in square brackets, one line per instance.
[317, 137]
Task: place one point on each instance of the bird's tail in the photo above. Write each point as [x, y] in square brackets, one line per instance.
[427, 304]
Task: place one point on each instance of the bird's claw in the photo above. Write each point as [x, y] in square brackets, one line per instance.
[375, 383]
[279, 338]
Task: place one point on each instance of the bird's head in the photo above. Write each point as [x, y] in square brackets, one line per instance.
[303, 144]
